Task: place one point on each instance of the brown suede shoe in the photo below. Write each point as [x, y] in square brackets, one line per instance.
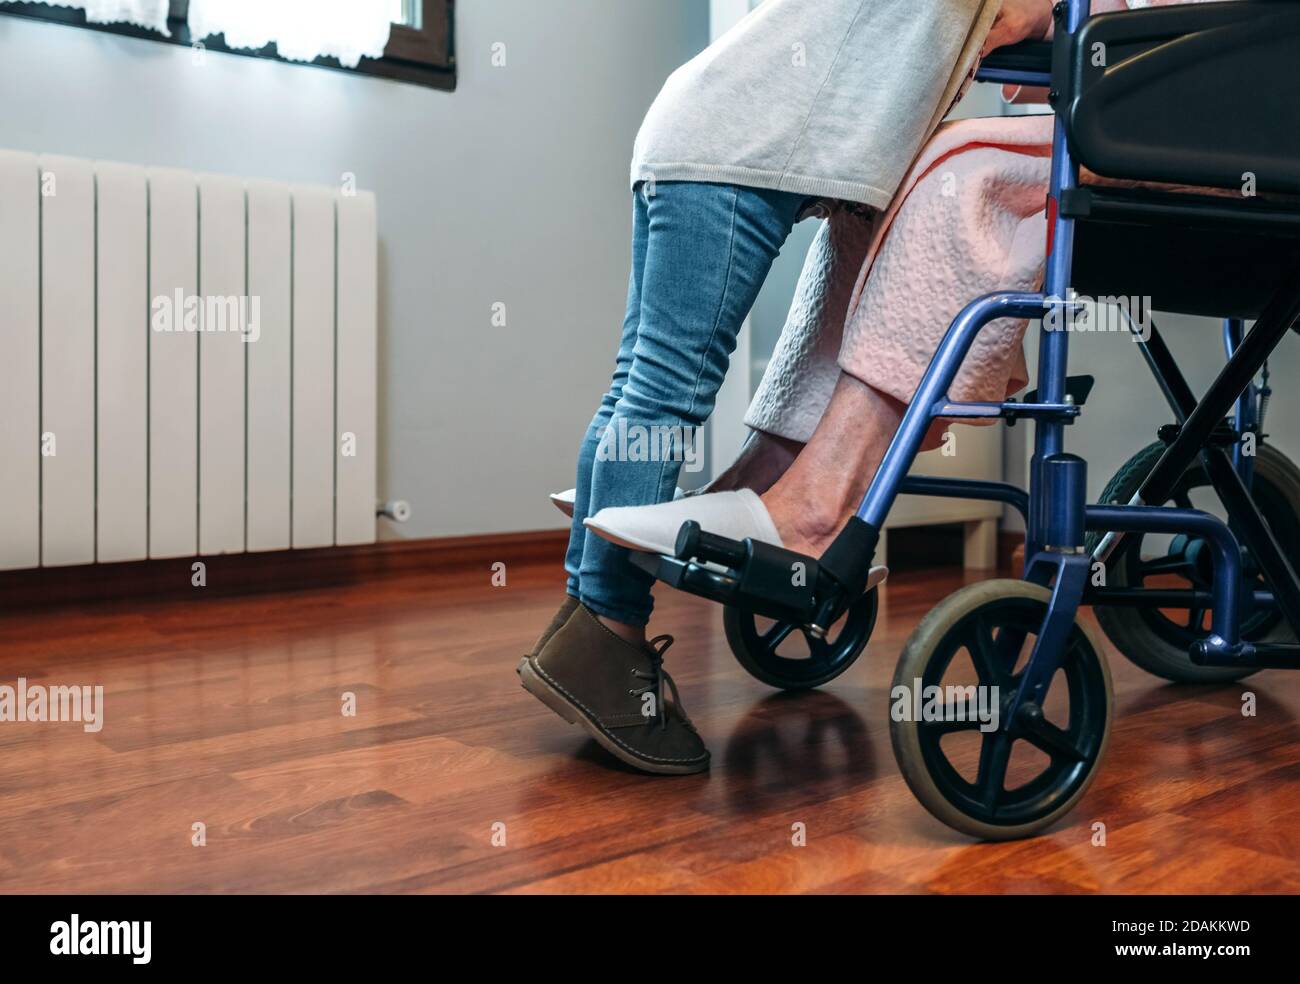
[615, 691]
[569, 606]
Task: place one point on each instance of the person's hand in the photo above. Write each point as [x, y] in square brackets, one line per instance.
[1019, 20]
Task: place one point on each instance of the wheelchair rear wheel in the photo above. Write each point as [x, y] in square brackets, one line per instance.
[786, 656]
[1003, 783]
[1158, 639]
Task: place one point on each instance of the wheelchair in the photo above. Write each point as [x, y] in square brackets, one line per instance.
[1202, 96]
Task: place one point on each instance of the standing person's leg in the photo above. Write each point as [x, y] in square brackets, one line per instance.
[596, 429]
[707, 250]
[710, 248]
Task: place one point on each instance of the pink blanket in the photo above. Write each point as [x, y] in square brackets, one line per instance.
[875, 297]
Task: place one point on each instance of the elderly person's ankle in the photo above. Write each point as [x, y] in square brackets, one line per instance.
[808, 524]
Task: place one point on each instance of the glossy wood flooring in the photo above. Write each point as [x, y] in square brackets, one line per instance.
[227, 712]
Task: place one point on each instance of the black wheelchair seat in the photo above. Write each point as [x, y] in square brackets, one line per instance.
[1211, 255]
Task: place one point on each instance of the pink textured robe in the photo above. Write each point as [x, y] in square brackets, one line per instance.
[875, 297]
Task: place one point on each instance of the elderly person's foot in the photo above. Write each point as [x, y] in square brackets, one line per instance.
[736, 515]
[795, 525]
[805, 526]
[804, 509]
[814, 498]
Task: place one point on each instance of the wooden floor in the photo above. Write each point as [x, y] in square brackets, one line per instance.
[228, 712]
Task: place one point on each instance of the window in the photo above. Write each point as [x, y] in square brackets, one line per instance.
[419, 50]
[421, 37]
[407, 12]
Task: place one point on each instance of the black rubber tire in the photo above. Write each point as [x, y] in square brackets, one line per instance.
[935, 639]
[831, 656]
[1131, 630]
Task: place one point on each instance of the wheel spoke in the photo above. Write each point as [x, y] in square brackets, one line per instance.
[1196, 619]
[995, 754]
[984, 652]
[818, 649]
[950, 723]
[1047, 737]
[776, 635]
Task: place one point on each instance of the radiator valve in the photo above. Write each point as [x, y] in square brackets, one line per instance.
[398, 510]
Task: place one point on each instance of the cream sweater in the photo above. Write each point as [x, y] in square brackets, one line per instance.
[828, 98]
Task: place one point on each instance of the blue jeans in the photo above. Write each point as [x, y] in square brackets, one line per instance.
[700, 253]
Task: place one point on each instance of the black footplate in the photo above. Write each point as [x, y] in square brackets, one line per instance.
[759, 577]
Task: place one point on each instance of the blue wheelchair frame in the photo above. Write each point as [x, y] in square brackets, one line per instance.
[1056, 512]
[1164, 235]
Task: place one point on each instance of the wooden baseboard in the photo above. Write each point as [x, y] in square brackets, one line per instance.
[286, 570]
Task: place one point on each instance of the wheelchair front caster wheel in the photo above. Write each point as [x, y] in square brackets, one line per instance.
[1016, 778]
[786, 656]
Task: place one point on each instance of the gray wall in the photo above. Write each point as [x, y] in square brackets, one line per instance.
[512, 189]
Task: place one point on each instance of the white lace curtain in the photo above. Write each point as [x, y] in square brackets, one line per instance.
[301, 29]
[142, 13]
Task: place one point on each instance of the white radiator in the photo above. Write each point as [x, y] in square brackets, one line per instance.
[187, 363]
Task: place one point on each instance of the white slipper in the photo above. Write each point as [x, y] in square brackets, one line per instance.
[563, 501]
[736, 515]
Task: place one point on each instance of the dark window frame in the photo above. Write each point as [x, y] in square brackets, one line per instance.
[426, 56]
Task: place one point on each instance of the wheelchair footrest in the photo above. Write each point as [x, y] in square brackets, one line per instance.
[758, 577]
[722, 585]
[707, 582]
[770, 580]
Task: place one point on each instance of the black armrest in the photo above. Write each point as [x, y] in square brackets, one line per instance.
[1198, 94]
[1027, 56]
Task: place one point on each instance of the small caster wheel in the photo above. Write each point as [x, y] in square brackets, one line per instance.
[1021, 778]
[787, 656]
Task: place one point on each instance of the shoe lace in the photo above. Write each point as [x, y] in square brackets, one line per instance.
[655, 679]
